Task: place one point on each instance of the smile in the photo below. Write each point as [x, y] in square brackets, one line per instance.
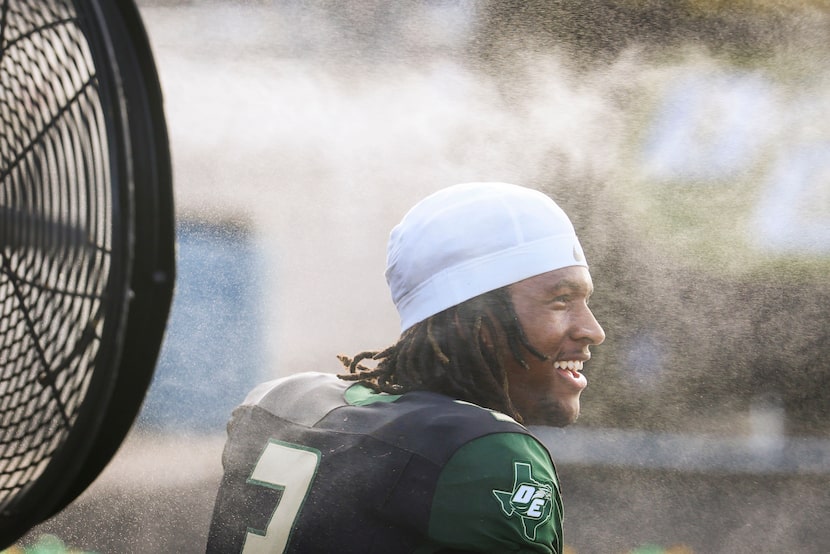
[570, 365]
[571, 370]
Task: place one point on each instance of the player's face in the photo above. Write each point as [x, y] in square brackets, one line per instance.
[553, 310]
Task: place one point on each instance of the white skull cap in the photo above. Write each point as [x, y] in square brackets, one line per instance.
[472, 238]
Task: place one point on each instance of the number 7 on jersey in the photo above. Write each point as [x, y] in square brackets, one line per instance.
[291, 469]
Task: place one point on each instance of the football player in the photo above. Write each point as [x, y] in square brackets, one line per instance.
[423, 447]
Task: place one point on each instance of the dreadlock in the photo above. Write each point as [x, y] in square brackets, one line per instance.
[447, 353]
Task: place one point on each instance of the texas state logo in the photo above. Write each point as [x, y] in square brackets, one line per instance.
[530, 500]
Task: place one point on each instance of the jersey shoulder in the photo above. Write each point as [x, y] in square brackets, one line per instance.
[498, 493]
[303, 398]
[427, 424]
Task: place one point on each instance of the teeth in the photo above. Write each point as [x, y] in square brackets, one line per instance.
[570, 365]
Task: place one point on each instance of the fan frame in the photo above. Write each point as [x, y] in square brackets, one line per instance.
[142, 276]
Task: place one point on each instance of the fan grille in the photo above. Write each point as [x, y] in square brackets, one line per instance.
[56, 233]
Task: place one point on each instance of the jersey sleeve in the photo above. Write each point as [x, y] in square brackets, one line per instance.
[497, 493]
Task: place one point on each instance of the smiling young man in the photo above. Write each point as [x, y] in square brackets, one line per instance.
[426, 450]
[553, 311]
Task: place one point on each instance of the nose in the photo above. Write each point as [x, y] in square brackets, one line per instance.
[588, 329]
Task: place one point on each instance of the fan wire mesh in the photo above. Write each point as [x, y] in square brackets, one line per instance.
[55, 234]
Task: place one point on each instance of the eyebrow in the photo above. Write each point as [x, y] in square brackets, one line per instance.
[573, 285]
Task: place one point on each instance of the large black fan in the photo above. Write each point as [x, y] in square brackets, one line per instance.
[86, 245]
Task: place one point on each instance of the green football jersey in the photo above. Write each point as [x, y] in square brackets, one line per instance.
[316, 464]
